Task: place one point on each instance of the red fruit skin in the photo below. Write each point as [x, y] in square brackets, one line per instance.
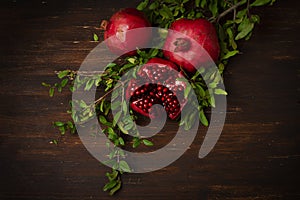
[190, 56]
[125, 40]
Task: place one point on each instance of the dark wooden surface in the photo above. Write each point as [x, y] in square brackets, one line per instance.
[257, 156]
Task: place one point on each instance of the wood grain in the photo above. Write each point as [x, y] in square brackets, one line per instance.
[257, 156]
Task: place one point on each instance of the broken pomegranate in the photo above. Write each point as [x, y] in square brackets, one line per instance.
[193, 43]
[119, 26]
[157, 83]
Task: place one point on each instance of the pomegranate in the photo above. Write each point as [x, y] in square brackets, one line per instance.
[161, 87]
[120, 25]
[186, 45]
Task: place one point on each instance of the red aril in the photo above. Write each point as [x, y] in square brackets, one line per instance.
[188, 43]
[157, 84]
[119, 26]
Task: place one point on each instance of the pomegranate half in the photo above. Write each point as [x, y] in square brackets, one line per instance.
[161, 87]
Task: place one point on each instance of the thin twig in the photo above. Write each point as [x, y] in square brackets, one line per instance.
[225, 12]
[248, 9]
[109, 92]
[234, 14]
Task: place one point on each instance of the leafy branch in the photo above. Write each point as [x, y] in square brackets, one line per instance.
[161, 13]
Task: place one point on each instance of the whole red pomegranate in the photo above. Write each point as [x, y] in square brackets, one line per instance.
[120, 25]
[156, 83]
[182, 44]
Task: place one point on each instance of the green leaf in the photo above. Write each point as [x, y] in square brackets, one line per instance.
[124, 107]
[212, 100]
[255, 18]
[51, 92]
[221, 67]
[248, 36]
[230, 54]
[110, 131]
[121, 141]
[116, 188]
[136, 142]
[203, 3]
[62, 130]
[123, 165]
[114, 174]
[59, 88]
[154, 52]
[106, 109]
[212, 85]
[101, 105]
[116, 118]
[127, 66]
[168, 11]
[46, 84]
[154, 5]
[64, 82]
[187, 91]
[240, 14]
[110, 65]
[70, 124]
[231, 38]
[147, 142]
[72, 89]
[58, 124]
[102, 119]
[115, 105]
[182, 79]
[213, 7]
[121, 153]
[82, 104]
[190, 121]
[142, 5]
[164, 14]
[63, 73]
[245, 28]
[203, 118]
[128, 126]
[200, 90]
[197, 3]
[260, 2]
[121, 127]
[110, 185]
[187, 125]
[131, 60]
[95, 37]
[89, 84]
[220, 91]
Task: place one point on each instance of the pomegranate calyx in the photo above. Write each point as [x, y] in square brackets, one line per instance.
[182, 44]
[103, 25]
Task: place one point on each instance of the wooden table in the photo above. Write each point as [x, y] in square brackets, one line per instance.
[257, 156]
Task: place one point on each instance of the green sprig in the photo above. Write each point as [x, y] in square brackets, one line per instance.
[234, 21]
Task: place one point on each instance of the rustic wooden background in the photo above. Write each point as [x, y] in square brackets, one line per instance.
[257, 156]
